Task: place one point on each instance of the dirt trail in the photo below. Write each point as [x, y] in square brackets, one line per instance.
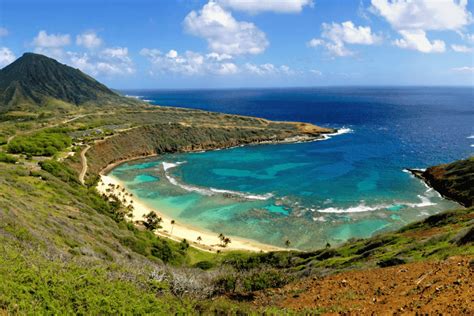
[421, 287]
[84, 163]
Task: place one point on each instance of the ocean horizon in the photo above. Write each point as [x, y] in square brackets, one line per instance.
[350, 185]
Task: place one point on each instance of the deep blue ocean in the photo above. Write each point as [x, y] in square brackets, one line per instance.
[351, 185]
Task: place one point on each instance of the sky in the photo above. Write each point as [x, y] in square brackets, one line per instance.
[182, 44]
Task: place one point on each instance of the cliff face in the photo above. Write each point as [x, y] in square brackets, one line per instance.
[454, 180]
[174, 138]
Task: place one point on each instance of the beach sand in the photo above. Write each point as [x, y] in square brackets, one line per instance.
[209, 240]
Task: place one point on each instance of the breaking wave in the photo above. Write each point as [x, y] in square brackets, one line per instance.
[424, 201]
[209, 191]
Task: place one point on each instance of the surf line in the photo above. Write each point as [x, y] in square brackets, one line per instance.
[209, 191]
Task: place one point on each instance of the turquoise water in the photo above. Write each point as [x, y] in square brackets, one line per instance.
[352, 185]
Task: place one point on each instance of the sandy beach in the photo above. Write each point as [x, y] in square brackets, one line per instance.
[209, 240]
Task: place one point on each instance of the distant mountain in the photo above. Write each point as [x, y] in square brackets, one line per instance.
[35, 81]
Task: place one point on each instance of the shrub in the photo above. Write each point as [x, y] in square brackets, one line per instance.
[7, 158]
[260, 280]
[40, 144]
[390, 262]
[204, 265]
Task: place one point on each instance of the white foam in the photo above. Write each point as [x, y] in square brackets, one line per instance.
[470, 137]
[343, 130]
[424, 202]
[355, 209]
[319, 219]
[210, 191]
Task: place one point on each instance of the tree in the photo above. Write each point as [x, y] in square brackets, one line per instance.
[221, 236]
[287, 243]
[172, 226]
[226, 241]
[199, 239]
[152, 221]
[328, 245]
[184, 245]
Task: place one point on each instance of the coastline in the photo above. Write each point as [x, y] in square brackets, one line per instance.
[209, 240]
[419, 174]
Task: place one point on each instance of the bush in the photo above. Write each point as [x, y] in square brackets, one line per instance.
[204, 265]
[40, 144]
[7, 158]
[390, 262]
[260, 280]
[59, 170]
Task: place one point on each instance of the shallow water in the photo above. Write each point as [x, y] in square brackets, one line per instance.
[351, 185]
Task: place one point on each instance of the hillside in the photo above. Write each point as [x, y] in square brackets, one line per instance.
[66, 249]
[35, 81]
[453, 180]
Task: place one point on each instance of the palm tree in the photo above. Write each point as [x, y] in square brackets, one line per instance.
[226, 241]
[152, 221]
[199, 239]
[287, 243]
[172, 226]
[221, 236]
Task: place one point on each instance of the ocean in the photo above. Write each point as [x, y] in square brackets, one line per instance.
[352, 185]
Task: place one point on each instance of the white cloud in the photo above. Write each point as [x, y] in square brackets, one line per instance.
[108, 62]
[6, 56]
[3, 32]
[257, 6]
[89, 40]
[190, 63]
[461, 48]
[315, 42]
[118, 53]
[218, 57]
[227, 69]
[338, 35]
[424, 14]
[468, 37]
[45, 40]
[417, 40]
[413, 18]
[268, 69]
[466, 70]
[223, 33]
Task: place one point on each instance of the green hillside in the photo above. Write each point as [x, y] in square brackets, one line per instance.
[35, 81]
[66, 249]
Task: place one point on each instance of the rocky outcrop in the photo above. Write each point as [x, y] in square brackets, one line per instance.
[454, 180]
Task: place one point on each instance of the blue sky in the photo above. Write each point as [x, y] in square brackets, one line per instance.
[248, 43]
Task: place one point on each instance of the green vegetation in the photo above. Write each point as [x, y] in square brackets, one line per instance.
[38, 83]
[7, 158]
[65, 249]
[45, 143]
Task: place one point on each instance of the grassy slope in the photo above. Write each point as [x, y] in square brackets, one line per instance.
[66, 250]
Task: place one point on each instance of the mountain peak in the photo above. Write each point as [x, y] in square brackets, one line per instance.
[35, 80]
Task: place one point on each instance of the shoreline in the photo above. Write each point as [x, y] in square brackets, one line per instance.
[209, 240]
[418, 173]
[290, 140]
